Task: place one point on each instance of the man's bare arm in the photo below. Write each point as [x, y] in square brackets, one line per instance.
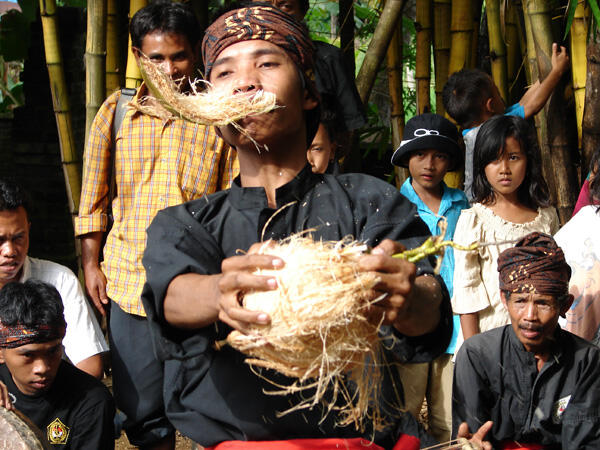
[95, 280]
[92, 365]
[469, 324]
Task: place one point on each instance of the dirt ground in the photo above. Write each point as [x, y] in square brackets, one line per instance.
[181, 443]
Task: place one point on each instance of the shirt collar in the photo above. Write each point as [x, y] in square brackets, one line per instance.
[26, 270]
[256, 197]
[448, 194]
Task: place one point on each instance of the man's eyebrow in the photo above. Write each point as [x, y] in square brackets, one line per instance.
[255, 54]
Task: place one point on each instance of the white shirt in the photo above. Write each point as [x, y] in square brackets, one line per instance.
[83, 337]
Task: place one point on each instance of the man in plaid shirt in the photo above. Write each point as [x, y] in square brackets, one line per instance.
[157, 163]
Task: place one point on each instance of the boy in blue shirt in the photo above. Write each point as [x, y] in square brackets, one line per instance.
[429, 149]
[471, 97]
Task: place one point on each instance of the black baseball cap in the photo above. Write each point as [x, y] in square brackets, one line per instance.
[429, 131]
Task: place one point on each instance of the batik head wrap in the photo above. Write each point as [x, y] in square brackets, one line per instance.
[12, 336]
[263, 22]
[267, 23]
[536, 264]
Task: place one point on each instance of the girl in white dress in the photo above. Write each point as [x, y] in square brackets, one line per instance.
[511, 200]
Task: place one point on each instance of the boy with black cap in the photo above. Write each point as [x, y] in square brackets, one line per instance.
[429, 149]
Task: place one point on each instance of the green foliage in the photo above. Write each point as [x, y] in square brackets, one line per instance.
[11, 87]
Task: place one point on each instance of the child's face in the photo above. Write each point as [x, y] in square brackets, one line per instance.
[428, 167]
[33, 366]
[321, 151]
[506, 174]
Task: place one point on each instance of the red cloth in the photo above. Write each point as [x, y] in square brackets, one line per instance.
[405, 442]
[584, 196]
[512, 445]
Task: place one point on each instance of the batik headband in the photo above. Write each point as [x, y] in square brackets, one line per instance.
[263, 22]
[535, 265]
[13, 336]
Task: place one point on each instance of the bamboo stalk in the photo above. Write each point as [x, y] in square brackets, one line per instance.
[513, 50]
[71, 163]
[346, 27]
[378, 47]
[133, 76]
[476, 5]
[523, 27]
[441, 48]
[95, 51]
[577, 39]
[395, 77]
[497, 47]
[557, 151]
[591, 112]
[113, 50]
[423, 56]
[461, 31]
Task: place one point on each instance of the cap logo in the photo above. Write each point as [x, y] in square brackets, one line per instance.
[419, 133]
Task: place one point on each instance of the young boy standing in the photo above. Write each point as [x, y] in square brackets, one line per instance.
[429, 149]
[471, 97]
[73, 409]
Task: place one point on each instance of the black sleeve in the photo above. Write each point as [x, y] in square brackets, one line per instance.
[177, 244]
[94, 424]
[470, 396]
[333, 78]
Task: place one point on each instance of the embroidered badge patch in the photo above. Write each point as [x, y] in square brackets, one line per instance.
[559, 409]
[58, 432]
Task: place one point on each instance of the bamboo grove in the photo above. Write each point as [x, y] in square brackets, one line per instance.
[511, 39]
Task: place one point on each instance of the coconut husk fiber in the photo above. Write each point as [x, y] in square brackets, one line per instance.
[203, 104]
[320, 333]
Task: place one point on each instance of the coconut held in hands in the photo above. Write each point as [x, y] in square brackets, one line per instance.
[319, 331]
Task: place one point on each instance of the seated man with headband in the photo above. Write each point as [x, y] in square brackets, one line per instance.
[539, 384]
[196, 275]
[72, 409]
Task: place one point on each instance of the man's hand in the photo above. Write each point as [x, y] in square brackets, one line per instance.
[477, 439]
[4, 397]
[237, 279]
[560, 59]
[95, 286]
[410, 305]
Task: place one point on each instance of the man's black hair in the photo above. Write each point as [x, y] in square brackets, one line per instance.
[12, 196]
[165, 17]
[32, 303]
[465, 94]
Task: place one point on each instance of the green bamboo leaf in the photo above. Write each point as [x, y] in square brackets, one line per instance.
[570, 14]
[595, 10]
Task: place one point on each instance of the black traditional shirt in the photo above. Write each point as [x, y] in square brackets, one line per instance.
[212, 396]
[75, 413]
[495, 378]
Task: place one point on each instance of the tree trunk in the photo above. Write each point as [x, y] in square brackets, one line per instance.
[114, 69]
[557, 151]
[423, 57]
[514, 57]
[395, 76]
[95, 51]
[133, 77]
[591, 112]
[377, 47]
[441, 48]
[346, 27]
[577, 39]
[70, 160]
[497, 47]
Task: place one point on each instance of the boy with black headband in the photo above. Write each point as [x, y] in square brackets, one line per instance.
[73, 409]
[196, 275]
[540, 385]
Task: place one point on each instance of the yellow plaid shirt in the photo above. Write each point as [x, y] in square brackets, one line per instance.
[158, 164]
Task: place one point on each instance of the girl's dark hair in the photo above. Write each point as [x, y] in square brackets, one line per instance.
[165, 17]
[489, 145]
[595, 178]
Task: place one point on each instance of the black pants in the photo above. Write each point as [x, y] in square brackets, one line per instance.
[137, 378]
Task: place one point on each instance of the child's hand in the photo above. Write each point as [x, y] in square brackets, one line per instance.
[4, 397]
[560, 59]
